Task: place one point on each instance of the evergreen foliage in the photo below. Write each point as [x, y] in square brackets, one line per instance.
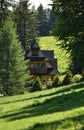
[45, 19]
[56, 81]
[82, 74]
[70, 29]
[49, 85]
[13, 69]
[4, 10]
[36, 85]
[26, 23]
[68, 78]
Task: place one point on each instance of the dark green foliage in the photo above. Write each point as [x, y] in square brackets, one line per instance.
[45, 20]
[36, 85]
[70, 29]
[82, 74]
[13, 69]
[26, 22]
[68, 78]
[56, 81]
[41, 16]
[48, 85]
[1, 89]
[4, 10]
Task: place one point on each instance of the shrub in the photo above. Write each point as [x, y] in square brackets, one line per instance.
[36, 85]
[48, 85]
[77, 78]
[1, 89]
[82, 75]
[68, 78]
[57, 81]
[13, 90]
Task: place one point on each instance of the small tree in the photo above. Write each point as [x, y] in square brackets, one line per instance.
[67, 78]
[77, 78]
[13, 69]
[56, 81]
[36, 85]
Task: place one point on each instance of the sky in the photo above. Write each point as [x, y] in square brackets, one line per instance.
[38, 2]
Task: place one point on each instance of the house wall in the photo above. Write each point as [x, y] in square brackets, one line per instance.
[38, 71]
[39, 67]
[45, 76]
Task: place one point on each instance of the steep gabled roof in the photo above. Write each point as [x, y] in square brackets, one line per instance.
[48, 54]
[52, 71]
[34, 45]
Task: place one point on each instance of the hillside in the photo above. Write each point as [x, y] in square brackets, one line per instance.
[51, 43]
[55, 109]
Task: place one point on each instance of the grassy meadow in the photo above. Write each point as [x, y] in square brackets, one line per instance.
[51, 43]
[59, 108]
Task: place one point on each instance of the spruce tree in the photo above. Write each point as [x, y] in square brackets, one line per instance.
[13, 69]
[42, 19]
[4, 10]
[25, 22]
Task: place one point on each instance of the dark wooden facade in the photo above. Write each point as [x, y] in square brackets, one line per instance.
[42, 62]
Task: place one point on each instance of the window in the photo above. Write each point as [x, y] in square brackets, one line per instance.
[38, 65]
[32, 66]
[43, 65]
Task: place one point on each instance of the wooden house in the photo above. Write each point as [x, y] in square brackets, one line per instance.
[41, 62]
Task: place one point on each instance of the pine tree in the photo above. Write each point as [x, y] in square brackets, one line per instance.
[13, 69]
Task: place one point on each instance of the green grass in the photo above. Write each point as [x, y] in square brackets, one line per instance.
[59, 108]
[51, 43]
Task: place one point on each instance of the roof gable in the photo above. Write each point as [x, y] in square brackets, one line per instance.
[48, 54]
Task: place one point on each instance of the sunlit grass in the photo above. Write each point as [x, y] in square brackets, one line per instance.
[51, 43]
[59, 108]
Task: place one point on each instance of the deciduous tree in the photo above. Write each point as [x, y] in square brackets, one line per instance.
[70, 29]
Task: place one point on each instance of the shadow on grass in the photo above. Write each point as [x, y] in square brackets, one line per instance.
[60, 103]
[64, 124]
[64, 89]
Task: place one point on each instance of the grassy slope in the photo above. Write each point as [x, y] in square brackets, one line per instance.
[50, 43]
[55, 109]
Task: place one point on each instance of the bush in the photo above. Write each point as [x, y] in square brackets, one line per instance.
[1, 89]
[77, 78]
[57, 81]
[36, 85]
[82, 75]
[68, 78]
[48, 85]
[13, 90]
